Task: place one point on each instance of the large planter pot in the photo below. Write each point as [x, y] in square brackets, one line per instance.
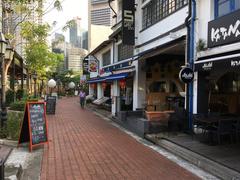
[160, 116]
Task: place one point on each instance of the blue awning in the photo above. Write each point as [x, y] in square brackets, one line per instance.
[96, 80]
[116, 76]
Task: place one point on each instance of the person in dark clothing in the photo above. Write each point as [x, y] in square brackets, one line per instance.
[82, 96]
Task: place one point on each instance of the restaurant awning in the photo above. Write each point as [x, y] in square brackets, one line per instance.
[96, 80]
[116, 77]
[227, 61]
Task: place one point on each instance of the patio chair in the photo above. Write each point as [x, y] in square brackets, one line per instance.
[223, 128]
[237, 129]
[197, 124]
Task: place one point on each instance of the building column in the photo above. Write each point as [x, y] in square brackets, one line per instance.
[115, 91]
[139, 85]
[99, 90]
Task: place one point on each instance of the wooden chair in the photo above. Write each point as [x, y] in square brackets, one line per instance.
[223, 128]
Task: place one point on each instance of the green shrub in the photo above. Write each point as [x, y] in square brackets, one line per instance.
[19, 94]
[13, 124]
[9, 97]
[17, 106]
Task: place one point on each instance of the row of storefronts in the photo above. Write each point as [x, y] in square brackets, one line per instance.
[146, 76]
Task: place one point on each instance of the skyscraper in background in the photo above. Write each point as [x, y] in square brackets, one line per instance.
[77, 35]
[99, 22]
[74, 58]
[74, 33]
[59, 46]
[13, 23]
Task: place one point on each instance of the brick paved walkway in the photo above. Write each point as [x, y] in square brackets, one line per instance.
[83, 146]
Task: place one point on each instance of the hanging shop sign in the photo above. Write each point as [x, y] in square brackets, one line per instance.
[92, 64]
[85, 66]
[128, 24]
[224, 30]
[186, 75]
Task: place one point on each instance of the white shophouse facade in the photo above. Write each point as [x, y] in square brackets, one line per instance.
[159, 49]
[217, 62]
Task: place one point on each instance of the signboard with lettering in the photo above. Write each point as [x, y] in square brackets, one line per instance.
[51, 104]
[232, 64]
[128, 22]
[85, 65]
[186, 75]
[34, 125]
[224, 30]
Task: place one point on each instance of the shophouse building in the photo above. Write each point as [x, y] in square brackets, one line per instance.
[144, 75]
[218, 57]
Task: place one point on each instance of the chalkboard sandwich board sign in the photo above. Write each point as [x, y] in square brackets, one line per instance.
[51, 104]
[34, 128]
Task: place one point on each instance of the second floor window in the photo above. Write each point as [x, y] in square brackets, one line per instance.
[223, 7]
[124, 52]
[156, 10]
[106, 58]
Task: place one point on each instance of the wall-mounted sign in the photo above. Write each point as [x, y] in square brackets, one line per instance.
[186, 75]
[224, 30]
[227, 64]
[118, 66]
[128, 24]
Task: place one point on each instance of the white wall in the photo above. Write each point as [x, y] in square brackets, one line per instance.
[163, 26]
[139, 85]
[99, 91]
[115, 94]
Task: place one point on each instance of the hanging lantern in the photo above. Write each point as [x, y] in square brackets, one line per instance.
[104, 85]
[93, 85]
[122, 83]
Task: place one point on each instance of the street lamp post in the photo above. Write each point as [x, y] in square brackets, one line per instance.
[58, 86]
[3, 45]
[34, 76]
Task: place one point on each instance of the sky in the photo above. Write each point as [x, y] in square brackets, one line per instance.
[71, 9]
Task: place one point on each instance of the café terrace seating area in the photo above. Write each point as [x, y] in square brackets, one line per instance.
[216, 128]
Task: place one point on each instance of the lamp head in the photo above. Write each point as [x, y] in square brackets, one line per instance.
[71, 85]
[51, 83]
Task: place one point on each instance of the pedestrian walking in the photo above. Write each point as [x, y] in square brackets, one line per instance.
[82, 96]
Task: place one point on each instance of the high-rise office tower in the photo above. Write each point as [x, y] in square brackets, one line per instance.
[75, 33]
[99, 22]
[12, 24]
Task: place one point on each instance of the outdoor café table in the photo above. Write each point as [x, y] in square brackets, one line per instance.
[211, 122]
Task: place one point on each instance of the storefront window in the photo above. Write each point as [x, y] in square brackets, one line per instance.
[224, 94]
[158, 86]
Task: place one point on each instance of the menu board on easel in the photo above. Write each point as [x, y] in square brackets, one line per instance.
[34, 125]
